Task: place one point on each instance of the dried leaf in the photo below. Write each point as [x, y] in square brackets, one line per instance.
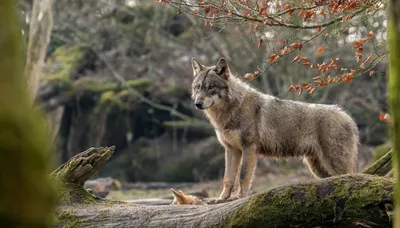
[249, 76]
[371, 73]
[362, 66]
[207, 10]
[384, 116]
[317, 79]
[285, 50]
[295, 58]
[260, 42]
[273, 58]
[370, 34]
[358, 56]
[320, 50]
[297, 45]
[292, 88]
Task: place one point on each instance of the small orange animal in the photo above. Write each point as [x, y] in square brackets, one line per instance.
[181, 198]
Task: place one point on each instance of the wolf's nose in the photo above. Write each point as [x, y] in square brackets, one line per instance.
[198, 104]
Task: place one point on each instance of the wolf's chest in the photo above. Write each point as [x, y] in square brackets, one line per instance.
[230, 137]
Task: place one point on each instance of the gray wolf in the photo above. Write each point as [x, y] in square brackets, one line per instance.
[249, 123]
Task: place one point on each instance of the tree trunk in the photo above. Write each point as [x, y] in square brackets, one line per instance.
[26, 195]
[394, 95]
[40, 27]
[344, 201]
[41, 24]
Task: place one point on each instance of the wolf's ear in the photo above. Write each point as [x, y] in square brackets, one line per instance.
[196, 67]
[178, 196]
[222, 68]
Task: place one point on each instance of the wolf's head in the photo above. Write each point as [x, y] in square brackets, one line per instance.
[210, 84]
[181, 198]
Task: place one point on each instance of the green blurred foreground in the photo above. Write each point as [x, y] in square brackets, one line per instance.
[26, 194]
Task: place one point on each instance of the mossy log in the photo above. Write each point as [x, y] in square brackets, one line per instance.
[343, 201]
[72, 175]
[57, 92]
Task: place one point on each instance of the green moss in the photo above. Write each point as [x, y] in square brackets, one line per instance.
[310, 204]
[371, 190]
[110, 98]
[66, 218]
[139, 83]
[97, 86]
[72, 193]
[62, 63]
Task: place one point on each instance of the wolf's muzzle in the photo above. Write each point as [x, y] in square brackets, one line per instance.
[199, 104]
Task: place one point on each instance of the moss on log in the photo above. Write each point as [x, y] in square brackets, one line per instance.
[72, 175]
[57, 92]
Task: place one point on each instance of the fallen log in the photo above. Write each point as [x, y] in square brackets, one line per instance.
[343, 201]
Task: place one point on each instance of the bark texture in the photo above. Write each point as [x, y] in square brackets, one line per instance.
[41, 24]
[344, 201]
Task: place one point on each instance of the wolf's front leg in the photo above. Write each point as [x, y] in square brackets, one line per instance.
[249, 164]
[232, 161]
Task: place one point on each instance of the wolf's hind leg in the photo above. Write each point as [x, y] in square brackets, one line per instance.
[340, 164]
[232, 162]
[316, 167]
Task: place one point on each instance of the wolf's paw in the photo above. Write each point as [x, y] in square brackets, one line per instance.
[233, 198]
[216, 201]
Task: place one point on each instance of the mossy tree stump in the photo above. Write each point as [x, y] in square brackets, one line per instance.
[360, 200]
[71, 176]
